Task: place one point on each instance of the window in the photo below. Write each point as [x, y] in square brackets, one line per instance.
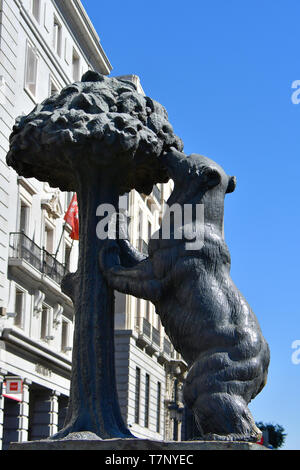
[64, 335]
[158, 407]
[148, 309]
[53, 88]
[137, 395]
[24, 218]
[138, 313]
[31, 69]
[158, 323]
[19, 306]
[75, 66]
[35, 8]
[68, 51]
[147, 397]
[44, 322]
[69, 196]
[49, 239]
[68, 250]
[47, 18]
[56, 37]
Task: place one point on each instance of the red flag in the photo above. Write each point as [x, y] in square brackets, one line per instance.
[71, 217]
[261, 441]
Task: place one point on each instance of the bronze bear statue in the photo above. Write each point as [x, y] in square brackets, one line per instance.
[205, 316]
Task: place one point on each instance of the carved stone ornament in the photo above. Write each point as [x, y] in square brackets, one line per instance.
[52, 206]
[101, 138]
[39, 298]
[57, 315]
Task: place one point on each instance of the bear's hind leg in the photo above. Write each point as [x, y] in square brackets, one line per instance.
[222, 416]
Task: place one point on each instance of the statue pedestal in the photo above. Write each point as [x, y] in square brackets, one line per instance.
[89, 441]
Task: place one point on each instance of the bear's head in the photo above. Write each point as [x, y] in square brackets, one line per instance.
[196, 173]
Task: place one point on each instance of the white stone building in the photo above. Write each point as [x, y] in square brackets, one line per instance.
[45, 45]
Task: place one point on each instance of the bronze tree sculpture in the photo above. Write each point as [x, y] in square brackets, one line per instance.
[100, 138]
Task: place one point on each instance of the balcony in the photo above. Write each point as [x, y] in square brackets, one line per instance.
[149, 337]
[22, 248]
[165, 352]
[156, 336]
[167, 347]
[146, 328]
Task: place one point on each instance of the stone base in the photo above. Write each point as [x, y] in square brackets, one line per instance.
[89, 441]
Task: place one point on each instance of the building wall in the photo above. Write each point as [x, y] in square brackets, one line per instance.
[129, 357]
[36, 318]
[35, 343]
[147, 365]
[20, 30]
[8, 67]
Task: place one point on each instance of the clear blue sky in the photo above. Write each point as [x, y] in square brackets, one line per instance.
[224, 71]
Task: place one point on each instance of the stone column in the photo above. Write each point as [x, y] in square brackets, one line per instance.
[24, 413]
[53, 426]
[2, 375]
[44, 414]
[179, 429]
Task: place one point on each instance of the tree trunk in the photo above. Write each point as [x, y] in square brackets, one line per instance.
[93, 404]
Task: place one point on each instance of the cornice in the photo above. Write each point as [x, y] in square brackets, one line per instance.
[73, 12]
[36, 349]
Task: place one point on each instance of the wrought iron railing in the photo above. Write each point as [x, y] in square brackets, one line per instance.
[155, 336]
[167, 347]
[146, 328]
[53, 268]
[22, 247]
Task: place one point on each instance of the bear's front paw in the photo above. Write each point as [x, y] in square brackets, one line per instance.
[109, 256]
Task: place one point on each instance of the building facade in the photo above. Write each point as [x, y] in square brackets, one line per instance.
[150, 373]
[45, 45]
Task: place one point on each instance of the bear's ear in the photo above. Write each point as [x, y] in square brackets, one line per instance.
[231, 184]
[211, 177]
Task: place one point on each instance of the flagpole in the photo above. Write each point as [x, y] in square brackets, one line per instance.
[70, 219]
[56, 253]
[66, 222]
[62, 233]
